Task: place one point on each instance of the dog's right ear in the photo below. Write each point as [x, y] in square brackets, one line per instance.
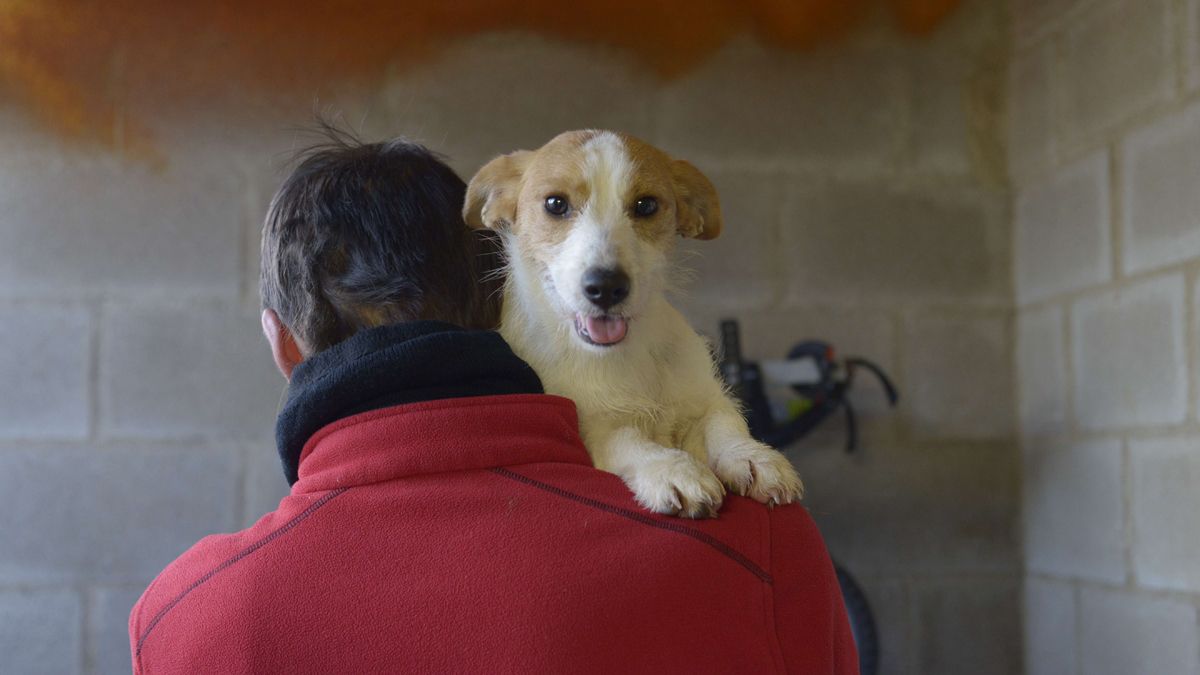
[492, 194]
[699, 208]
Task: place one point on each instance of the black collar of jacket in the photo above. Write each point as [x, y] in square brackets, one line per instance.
[394, 365]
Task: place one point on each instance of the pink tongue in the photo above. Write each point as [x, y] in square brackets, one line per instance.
[605, 330]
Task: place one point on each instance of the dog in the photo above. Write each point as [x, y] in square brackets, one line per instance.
[588, 222]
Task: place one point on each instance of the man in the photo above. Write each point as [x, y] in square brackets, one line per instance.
[444, 515]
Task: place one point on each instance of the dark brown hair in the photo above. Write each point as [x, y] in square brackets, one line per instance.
[364, 235]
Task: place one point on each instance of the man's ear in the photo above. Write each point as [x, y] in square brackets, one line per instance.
[697, 208]
[284, 347]
[492, 194]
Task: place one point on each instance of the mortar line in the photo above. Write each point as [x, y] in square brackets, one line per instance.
[242, 499]
[1191, 332]
[1182, 267]
[95, 318]
[1071, 421]
[1127, 530]
[1077, 598]
[1116, 217]
[85, 638]
[899, 319]
[913, 627]
[1178, 22]
[250, 193]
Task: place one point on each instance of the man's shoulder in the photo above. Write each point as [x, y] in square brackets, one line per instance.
[742, 532]
[186, 571]
[404, 560]
[605, 491]
[196, 570]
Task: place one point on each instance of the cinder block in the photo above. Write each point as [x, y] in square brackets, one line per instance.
[39, 631]
[743, 268]
[840, 105]
[1063, 240]
[973, 29]
[1130, 367]
[958, 100]
[265, 482]
[1074, 518]
[1042, 371]
[1166, 512]
[878, 244]
[1050, 622]
[261, 184]
[45, 363]
[958, 376]
[892, 608]
[1117, 62]
[112, 514]
[108, 629]
[1191, 46]
[883, 510]
[944, 126]
[501, 92]
[1123, 632]
[83, 224]
[201, 370]
[969, 626]
[239, 122]
[1160, 202]
[1031, 109]
[24, 135]
[1033, 19]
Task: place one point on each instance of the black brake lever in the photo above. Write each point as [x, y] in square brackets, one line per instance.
[851, 426]
[889, 389]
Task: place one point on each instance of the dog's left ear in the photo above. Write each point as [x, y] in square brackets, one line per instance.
[697, 208]
[492, 194]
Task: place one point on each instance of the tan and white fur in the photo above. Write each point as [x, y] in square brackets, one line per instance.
[598, 205]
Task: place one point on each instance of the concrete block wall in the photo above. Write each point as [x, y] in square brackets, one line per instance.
[1105, 151]
[866, 203]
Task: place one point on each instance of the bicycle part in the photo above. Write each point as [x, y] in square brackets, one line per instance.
[862, 622]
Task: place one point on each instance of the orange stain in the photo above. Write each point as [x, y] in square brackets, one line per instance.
[73, 62]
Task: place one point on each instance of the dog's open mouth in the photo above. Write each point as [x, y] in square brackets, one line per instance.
[604, 331]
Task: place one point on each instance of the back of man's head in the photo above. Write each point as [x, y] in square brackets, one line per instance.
[364, 235]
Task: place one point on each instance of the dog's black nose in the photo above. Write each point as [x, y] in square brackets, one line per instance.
[605, 287]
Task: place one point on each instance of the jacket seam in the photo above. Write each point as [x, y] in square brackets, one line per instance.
[237, 557]
[641, 518]
[140, 608]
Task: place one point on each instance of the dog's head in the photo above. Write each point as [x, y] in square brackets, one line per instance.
[595, 213]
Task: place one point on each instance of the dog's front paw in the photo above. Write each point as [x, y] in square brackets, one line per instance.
[677, 484]
[759, 472]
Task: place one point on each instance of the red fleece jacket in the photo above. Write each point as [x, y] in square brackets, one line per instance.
[473, 535]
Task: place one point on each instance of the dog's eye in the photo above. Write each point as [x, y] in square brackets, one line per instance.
[646, 206]
[556, 205]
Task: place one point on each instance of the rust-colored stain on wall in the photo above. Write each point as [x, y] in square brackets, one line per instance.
[72, 61]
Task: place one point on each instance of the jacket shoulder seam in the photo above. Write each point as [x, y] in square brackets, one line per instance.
[232, 560]
[644, 519]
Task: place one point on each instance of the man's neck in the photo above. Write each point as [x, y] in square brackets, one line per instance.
[394, 365]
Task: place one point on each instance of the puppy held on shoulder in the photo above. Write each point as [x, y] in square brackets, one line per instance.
[588, 222]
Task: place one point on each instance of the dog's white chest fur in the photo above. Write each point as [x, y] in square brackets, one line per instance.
[659, 381]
